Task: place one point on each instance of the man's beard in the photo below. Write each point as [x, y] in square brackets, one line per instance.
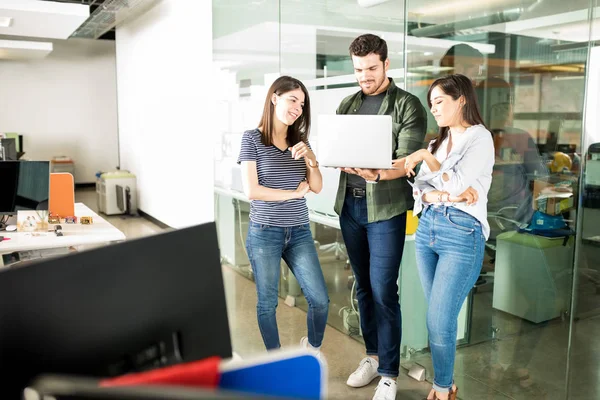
[375, 86]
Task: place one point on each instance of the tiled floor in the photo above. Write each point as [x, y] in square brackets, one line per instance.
[342, 352]
[525, 361]
[132, 227]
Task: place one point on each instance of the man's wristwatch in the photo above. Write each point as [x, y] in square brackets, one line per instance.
[376, 180]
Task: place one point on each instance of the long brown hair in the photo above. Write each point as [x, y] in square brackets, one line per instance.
[300, 129]
[456, 86]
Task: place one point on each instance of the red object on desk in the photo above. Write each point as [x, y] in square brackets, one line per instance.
[203, 373]
[3, 238]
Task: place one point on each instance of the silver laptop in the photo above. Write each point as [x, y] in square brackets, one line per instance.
[355, 141]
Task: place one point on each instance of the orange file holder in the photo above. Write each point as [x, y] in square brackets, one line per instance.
[62, 194]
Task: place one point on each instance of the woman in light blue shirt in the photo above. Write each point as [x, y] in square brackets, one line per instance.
[451, 191]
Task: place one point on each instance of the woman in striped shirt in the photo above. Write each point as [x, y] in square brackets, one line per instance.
[279, 169]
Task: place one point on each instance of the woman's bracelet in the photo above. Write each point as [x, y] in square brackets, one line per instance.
[441, 196]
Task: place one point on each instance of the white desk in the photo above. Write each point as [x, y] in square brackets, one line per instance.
[231, 193]
[73, 235]
[314, 216]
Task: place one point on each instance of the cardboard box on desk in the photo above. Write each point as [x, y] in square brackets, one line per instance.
[554, 205]
[554, 195]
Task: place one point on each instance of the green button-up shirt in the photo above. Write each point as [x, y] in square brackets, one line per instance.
[388, 199]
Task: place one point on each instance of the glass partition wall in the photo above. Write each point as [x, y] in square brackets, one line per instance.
[528, 61]
[529, 326]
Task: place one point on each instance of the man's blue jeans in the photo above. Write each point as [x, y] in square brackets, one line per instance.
[266, 246]
[375, 252]
[449, 246]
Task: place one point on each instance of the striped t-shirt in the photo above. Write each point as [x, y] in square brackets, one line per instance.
[276, 170]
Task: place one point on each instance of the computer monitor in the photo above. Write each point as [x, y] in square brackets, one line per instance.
[126, 307]
[18, 140]
[8, 150]
[25, 185]
[566, 148]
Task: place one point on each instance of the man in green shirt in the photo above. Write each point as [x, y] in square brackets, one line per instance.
[372, 206]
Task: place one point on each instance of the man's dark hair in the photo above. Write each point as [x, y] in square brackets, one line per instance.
[366, 44]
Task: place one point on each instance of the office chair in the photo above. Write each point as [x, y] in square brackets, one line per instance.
[338, 248]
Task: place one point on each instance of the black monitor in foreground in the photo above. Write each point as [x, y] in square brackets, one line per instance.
[126, 307]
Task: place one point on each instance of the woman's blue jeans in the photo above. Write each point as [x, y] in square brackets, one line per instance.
[266, 246]
[449, 248]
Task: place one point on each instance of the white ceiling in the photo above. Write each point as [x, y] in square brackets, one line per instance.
[42, 19]
[37, 19]
[19, 50]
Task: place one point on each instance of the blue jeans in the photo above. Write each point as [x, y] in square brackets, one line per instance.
[375, 251]
[266, 246]
[449, 247]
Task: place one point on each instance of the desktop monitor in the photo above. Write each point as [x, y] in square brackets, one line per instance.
[566, 148]
[25, 185]
[18, 140]
[126, 307]
[8, 150]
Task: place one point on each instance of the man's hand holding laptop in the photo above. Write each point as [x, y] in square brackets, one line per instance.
[366, 174]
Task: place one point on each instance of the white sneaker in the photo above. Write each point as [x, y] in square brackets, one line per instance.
[364, 374]
[386, 389]
[314, 350]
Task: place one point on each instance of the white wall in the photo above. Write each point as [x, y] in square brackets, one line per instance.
[165, 96]
[592, 125]
[65, 104]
